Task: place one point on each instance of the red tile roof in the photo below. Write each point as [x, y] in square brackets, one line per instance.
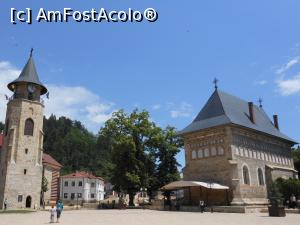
[51, 162]
[81, 174]
[1, 140]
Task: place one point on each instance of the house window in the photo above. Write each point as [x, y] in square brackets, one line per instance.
[92, 195]
[72, 195]
[246, 177]
[80, 183]
[73, 183]
[25, 171]
[260, 177]
[92, 185]
[66, 183]
[20, 198]
[29, 125]
[65, 195]
[79, 195]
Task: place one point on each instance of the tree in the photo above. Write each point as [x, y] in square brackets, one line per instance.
[296, 158]
[288, 187]
[44, 189]
[143, 155]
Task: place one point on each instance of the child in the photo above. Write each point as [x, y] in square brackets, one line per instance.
[52, 214]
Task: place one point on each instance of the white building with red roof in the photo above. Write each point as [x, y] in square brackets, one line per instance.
[81, 186]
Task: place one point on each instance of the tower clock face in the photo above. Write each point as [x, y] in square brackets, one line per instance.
[31, 88]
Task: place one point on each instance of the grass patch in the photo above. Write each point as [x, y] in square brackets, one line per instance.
[18, 211]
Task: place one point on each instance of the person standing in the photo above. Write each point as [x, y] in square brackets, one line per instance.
[59, 209]
[5, 204]
[52, 214]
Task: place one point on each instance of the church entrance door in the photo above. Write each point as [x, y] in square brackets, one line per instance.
[28, 202]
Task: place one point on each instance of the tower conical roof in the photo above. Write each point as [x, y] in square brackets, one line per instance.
[28, 75]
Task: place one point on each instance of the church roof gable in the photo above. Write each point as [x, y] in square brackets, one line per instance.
[223, 108]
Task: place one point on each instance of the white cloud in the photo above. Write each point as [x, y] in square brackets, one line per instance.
[261, 82]
[156, 107]
[289, 86]
[184, 110]
[7, 74]
[77, 102]
[288, 65]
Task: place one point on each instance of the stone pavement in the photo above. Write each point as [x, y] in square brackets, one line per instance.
[147, 217]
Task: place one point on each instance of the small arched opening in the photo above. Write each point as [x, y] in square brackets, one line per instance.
[28, 201]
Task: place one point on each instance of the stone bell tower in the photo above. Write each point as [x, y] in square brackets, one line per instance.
[21, 154]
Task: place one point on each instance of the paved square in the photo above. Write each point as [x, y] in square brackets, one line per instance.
[146, 217]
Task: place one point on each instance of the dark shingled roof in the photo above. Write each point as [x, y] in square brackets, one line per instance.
[222, 108]
[28, 75]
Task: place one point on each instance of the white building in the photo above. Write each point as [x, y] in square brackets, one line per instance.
[81, 186]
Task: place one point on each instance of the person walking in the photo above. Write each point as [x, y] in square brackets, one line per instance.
[5, 204]
[59, 209]
[52, 214]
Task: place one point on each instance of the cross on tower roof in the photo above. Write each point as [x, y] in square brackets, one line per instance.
[260, 102]
[216, 83]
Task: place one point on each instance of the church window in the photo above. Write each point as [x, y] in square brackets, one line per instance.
[66, 183]
[246, 177]
[29, 125]
[260, 177]
[73, 183]
[220, 150]
[26, 151]
[237, 152]
[80, 184]
[25, 171]
[20, 198]
[241, 151]
[65, 195]
[194, 154]
[206, 152]
[200, 153]
[213, 151]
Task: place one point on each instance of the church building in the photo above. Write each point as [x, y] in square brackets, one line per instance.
[234, 143]
[21, 154]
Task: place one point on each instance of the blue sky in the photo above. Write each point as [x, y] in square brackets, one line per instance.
[166, 67]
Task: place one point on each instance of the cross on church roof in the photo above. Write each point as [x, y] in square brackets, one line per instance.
[216, 83]
[260, 102]
[31, 50]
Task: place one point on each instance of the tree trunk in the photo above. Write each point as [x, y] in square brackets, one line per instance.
[131, 199]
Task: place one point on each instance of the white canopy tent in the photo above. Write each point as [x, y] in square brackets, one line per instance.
[186, 184]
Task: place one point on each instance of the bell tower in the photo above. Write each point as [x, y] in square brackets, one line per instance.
[21, 154]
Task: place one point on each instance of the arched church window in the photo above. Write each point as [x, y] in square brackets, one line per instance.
[213, 151]
[206, 152]
[29, 126]
[220, 150]
[246, 176]
[200, 153]
[260, 177]
[194, 154]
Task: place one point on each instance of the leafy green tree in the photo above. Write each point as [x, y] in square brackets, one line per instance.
[288, 187]
[44, 189]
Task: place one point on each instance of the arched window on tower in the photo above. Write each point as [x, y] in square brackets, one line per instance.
[29, 125]
[260, 177]
[246, 177]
